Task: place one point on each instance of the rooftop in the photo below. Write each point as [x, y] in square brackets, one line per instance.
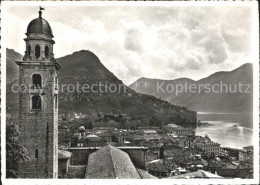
[39, 25]
[111, 163]
[63, 154]
[200, 174]
[91, 136]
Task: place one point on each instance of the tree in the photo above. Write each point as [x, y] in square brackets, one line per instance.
[155, 122]
[14, 151]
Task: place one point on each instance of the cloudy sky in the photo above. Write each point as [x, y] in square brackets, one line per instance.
[153, 42]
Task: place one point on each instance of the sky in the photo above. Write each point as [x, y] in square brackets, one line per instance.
[152, 42]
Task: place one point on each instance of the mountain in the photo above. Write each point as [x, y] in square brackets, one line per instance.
[12, 74]
[84, 69]
[154, 85]
[201, 96]
[11, 67]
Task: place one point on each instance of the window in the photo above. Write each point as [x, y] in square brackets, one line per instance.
[29, 51]
[37, 81]
[55, 80]
[46, 50]
[56, 101]
[56, 83]
[37, 51]
[36, 154]
[36, 102]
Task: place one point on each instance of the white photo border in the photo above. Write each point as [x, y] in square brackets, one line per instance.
[255, 44]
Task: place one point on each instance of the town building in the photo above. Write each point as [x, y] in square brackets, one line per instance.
[233, 153]
[160, 168]
[183, 141]
[205, 144]
[64, 162]
[121, 136]
[174, 130]
[108, 136]
[103, 129]
[180, 132]
[87, 140]
[146, 136]
[93, 140]
[147, 129]
[246, 154]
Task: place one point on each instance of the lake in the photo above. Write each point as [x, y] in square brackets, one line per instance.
[228, 129]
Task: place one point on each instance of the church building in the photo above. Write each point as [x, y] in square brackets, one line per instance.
[38, 102]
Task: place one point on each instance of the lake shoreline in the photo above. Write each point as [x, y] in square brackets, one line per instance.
[229, 130]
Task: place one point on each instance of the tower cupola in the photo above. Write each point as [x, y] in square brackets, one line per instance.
[39, 40]
[39, 26]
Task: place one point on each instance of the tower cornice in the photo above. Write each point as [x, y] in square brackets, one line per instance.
[40, 39]
[40, 62]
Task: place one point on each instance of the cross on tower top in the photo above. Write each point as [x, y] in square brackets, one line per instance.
[40, 12]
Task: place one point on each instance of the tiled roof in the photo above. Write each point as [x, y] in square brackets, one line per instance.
[62, 154]
[91, 136]
[201, 174]
[150, 131]
[93, 139]
[106, 128]
[144, 174]
[107, 134]
[110, 163]
[158, 166]
[180, 128]
[146, 136]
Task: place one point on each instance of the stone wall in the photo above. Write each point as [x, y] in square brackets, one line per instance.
[39, 128]
[63, 168]
[32, 169]
[77, 172]
[80, 156]
[138, 156]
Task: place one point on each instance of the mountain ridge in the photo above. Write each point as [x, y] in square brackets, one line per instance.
[185, 78]
[84, 67]
[205, 102]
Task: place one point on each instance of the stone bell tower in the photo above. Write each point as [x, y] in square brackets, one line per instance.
[38, 102]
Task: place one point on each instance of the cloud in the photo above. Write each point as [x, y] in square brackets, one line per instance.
[154, 42]
[133, 40]
[215, 48]
[193, 63]
[237, 40]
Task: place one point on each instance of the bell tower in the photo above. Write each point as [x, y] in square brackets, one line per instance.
[38, 102]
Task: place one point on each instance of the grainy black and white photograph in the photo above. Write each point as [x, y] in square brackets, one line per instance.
[120, 91]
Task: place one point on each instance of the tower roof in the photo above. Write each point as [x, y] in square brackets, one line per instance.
[39, 25]
[82, 129]
[110, 163]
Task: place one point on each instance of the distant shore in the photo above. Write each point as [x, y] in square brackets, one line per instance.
[203, 123]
